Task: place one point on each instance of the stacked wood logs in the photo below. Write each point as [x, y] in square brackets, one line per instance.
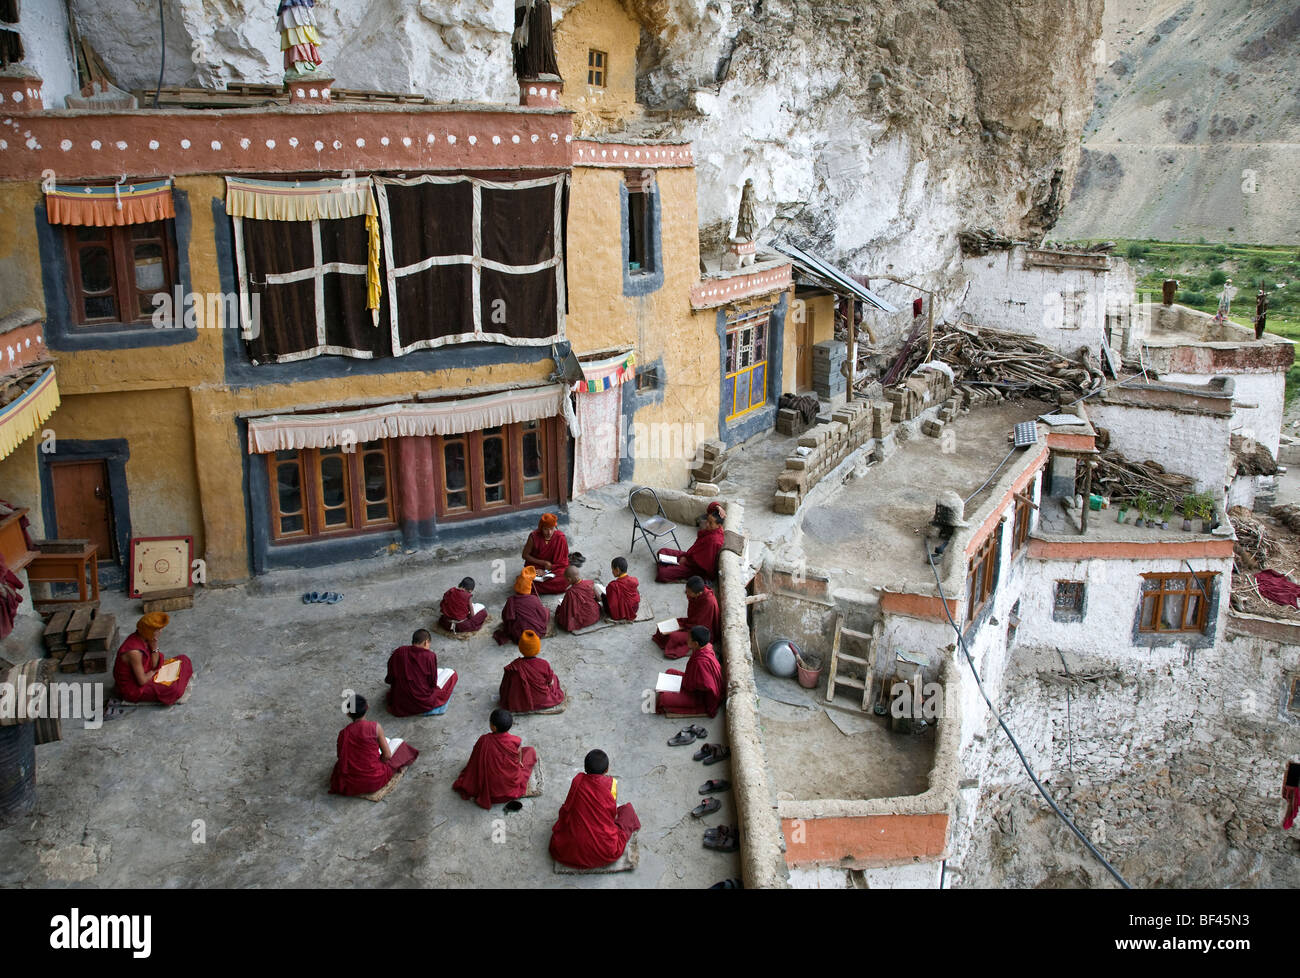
[1115, 476]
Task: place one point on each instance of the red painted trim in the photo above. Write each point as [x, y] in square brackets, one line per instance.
[865, 840]
[631, 155]
[1086, 549]
[21, 346]
[1069, 442]
[1017, 485]
[714, 292]
[282, 140]
[925, 606]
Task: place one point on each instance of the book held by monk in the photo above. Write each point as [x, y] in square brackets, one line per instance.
[667, 559]
[169, 672]
[668, 626]
[444, 675]
[668, 683]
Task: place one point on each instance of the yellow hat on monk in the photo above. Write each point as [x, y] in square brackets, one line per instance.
[153, 623]
[549, 519]
[529, 643]
[524, 582]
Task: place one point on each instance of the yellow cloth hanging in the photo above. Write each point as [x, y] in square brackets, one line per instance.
[21, 418]
[299, 35]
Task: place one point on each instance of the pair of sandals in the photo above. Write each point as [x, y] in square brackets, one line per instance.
[688, 735]
[723, 838]
[710, 805]
[712, 753]
[322, 597]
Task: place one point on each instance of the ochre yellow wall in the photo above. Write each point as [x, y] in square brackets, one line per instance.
[605, 26]
[820, 311]
[661, 324]
[20, 266]
[20, 482]
[160, 474]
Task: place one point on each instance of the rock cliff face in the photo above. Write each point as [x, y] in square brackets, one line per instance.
[1196, 121]
[873, 130]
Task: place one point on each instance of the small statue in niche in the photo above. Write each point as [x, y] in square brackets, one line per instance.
[741, 250]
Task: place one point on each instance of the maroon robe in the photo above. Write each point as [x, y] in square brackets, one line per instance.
[700, 610]
[623, 598]
[528, 685]
[150, 692]
[521, 613]
[457, 613]
[593, 828]
[360, 768]
[579, 607]
[554, 550]
[701, 559]
[498, 770]
[701, 690]
[413, 676]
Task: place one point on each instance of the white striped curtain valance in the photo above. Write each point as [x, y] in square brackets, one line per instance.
[291, 432]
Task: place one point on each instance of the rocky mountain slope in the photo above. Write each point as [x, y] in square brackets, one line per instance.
[1197, 124]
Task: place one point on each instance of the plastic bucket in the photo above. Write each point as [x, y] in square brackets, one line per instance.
[809, 673]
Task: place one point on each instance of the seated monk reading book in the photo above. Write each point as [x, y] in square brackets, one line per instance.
[143, 674]
[419, 687]
[366, 758]
[523, 611]
[498, 768]
[529, 683]
[579, 607]
[593, 828]
[457, 611]
[547, 549]
[700, 560]
[701, 690]
[701, 609]
[622, 596]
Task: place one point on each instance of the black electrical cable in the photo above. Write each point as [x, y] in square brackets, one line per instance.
[990, 478]
[162, 47]
[1006, 730]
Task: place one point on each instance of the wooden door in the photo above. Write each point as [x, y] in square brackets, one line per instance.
[803, 345]
[83, 507]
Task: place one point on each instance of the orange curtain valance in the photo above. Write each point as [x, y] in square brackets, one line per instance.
[110, 204]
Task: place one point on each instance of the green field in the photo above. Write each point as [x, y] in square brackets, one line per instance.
[1201, 270]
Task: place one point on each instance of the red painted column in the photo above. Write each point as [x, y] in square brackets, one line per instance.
[415, 490]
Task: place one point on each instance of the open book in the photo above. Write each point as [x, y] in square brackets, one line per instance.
[474, 609]
[668, 627]
[444, 675]
[393, 744]
[667, 559]
[668, 683]
[169, 672]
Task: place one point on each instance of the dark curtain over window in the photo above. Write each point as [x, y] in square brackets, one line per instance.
[432, 220]
[287, 324]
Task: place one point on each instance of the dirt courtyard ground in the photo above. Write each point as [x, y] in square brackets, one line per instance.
[244, 765]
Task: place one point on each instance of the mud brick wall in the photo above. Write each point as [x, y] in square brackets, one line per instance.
[829, 444]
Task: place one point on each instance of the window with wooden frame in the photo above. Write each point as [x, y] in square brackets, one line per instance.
[597, 67]
[1067, 603]
[1021, 524]
[1293, 697]
[497, 469]
[115, 272]
[982, 576]
[1176, 602]
[325, 492]
[744, 385]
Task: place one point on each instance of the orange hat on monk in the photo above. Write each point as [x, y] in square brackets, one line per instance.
[549, 519]
[153, 623]
[524, 582]
[529, 643]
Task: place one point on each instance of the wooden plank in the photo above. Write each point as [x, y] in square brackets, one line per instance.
[78, 625]
[94, 662]
[100, 636]
[176, 603]
[70, 662]
[60, 546]
[53, 635]
[47, 606]
[835, 654]
[859, 635]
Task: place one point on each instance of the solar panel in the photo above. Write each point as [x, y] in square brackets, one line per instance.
[1026, 434]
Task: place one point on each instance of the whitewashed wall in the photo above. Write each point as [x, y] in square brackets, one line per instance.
[44, 28]
[1192, 444]
[1266, 390]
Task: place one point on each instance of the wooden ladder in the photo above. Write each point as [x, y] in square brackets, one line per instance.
[838, 657]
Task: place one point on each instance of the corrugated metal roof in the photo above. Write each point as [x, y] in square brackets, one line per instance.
[827, 276]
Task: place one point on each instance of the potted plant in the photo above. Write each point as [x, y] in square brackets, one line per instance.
[1207, 512]
[1189, 511]
[1144, 508]
[1166, 511]
[1121, 513]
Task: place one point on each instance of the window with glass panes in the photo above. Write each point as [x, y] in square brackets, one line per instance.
[982, 577]
[744, 385]
[497, 469]
[115, 272]
[1175, 602]
[597, 66]
[318, 492]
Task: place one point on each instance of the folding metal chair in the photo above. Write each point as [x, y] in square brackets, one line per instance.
[655, 526]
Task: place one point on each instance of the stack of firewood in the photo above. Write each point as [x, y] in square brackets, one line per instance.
[1115, 476]
[15, 385]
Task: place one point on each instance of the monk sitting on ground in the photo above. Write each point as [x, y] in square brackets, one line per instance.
[413, 676]
[498, 768]
[701, 690]
[547, 549]
[701, 609]
[701, 560]
[138, 665]
[367, 760]
[579, 607]
[593, 828]
[622, 597]
[523, 611]
[529, 683]
[458, 612]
